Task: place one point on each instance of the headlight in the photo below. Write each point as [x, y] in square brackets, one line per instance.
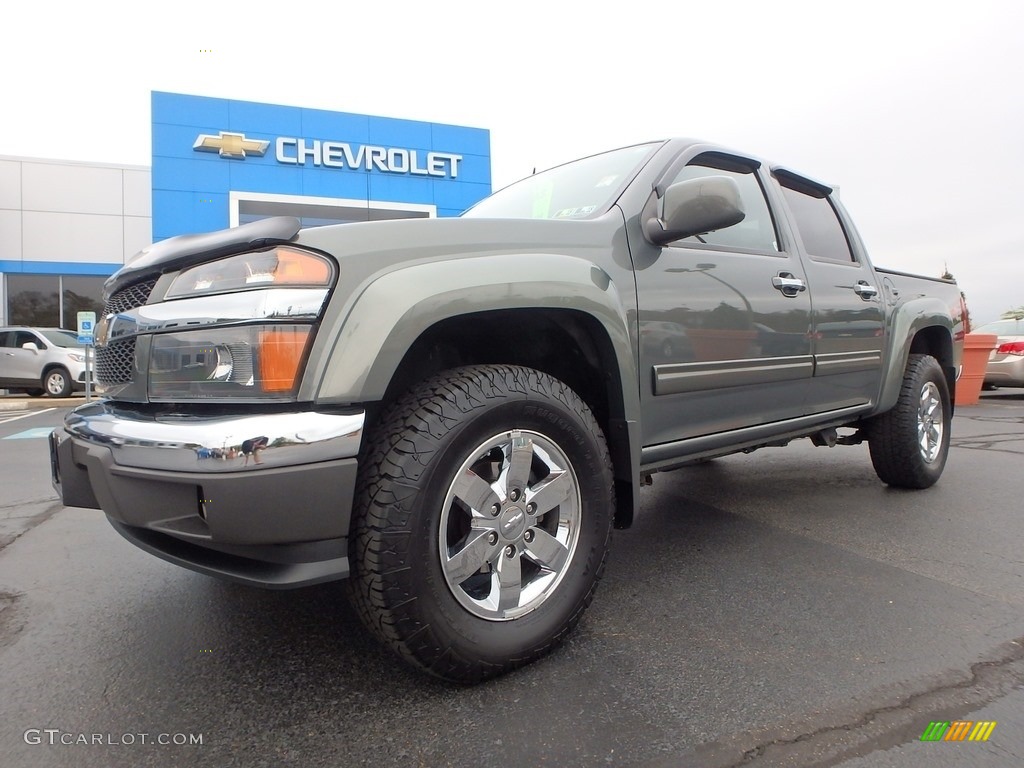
[276, 267]
[253, 361]
[76, 357]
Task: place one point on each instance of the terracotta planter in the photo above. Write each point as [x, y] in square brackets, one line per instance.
[977, 347]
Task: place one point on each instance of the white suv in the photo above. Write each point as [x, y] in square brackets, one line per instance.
[41, 361]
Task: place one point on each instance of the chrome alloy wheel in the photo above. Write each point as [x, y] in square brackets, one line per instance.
[930, 422]
[510, 525]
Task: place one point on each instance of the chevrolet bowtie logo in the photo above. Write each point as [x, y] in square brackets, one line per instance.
[233, 145]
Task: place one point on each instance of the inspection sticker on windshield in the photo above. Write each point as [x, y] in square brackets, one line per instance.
[567, 213]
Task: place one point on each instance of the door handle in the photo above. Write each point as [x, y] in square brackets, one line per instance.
[788, 284]
[865, 290]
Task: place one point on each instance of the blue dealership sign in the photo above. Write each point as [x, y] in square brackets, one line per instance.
[220, 162]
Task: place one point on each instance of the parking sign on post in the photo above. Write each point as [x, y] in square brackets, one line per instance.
[86, 329]
[86, 326]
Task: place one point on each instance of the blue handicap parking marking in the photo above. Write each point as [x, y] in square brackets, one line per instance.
[28, 434]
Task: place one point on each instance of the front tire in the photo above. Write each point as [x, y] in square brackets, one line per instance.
[482, 521]
[57, 382]
[909, 443]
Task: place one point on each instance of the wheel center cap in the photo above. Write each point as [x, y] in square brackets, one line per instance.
[512, 522]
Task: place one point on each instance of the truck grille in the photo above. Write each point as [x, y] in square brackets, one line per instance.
[114, 361]
[129, 298]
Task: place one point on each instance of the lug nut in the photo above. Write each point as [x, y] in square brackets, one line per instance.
[492, 538]
[531, 507]
[514, 495]
[528, 536]
[510, 551]
[495, 509]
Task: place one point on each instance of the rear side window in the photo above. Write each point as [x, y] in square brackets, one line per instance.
[819, 226]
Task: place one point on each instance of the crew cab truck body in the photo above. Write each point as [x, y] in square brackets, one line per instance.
[454, 413]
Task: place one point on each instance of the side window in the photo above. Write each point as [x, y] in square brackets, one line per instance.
[819, 226]
[757, 230]
[23, 337]
[6, 338]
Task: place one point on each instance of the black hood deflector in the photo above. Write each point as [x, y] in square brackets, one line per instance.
[186, 250]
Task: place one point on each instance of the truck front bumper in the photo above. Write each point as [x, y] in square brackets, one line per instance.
[263, 500]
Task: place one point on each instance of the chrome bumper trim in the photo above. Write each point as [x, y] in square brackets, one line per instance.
[187, 443]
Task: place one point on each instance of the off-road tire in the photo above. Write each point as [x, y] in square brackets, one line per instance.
[898, 439]
[399, 585]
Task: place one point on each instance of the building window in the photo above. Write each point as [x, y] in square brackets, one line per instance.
[81, 294]
[52, 301]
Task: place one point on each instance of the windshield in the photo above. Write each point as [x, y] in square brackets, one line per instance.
[60, 338]
[571, 191]
[1003, 328]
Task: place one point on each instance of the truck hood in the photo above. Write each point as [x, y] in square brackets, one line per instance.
[386, 243]
[376, 245]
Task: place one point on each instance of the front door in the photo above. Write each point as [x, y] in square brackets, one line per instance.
[723, 321]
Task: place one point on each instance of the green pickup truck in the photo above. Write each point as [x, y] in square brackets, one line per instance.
[453, 414]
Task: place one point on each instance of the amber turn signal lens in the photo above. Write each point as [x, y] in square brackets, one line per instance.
[299, 267]
[280, 355]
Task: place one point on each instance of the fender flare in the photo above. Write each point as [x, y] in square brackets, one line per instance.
[907, 321]
[392, 310]
[395, 308]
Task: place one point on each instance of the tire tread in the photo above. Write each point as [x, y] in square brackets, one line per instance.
[393, 472]
[895, 454]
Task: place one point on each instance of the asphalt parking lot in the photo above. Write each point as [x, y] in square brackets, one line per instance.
[778, 608]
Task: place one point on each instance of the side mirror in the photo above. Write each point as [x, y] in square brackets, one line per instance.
[30, 345]
[696, 207]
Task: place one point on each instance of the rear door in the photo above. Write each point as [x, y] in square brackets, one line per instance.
[6, 356]
[847, 314]
[20, 367]
[723, 340]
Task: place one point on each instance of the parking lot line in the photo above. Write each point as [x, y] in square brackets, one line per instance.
[5, 419]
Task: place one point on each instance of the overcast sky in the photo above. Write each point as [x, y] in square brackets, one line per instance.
[914, 109]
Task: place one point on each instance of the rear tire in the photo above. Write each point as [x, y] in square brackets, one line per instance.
[909, 443]
[57, 382]
[455, 588]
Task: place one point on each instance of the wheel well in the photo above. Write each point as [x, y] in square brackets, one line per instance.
[572, 346]
[50, 366]
[936, 341]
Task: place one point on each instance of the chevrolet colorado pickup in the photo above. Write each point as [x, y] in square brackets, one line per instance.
[453, 414]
